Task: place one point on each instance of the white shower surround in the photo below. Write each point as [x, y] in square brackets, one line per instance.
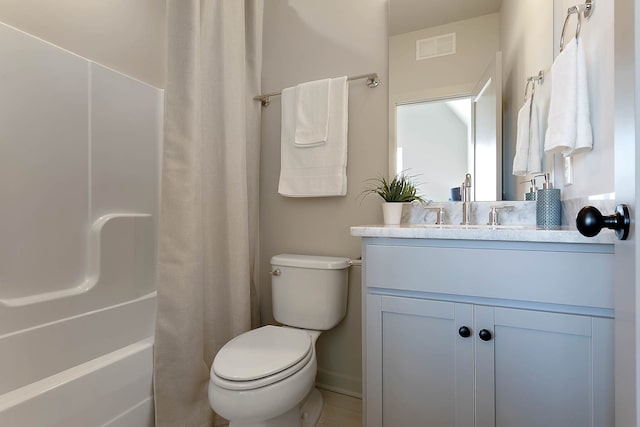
[80, 147]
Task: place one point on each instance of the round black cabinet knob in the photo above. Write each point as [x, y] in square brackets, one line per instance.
[485, 335]
[590, 221]
[464, 332]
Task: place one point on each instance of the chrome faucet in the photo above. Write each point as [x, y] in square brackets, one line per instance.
[465, 195]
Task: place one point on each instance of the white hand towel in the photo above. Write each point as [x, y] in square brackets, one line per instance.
[317, 171]
[569, 126]
[584, 135]
[534, 163]
[541, 104]
[562, 124]
[312, 113]
[521, 159]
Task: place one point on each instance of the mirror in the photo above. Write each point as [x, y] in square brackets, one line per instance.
[441, 53]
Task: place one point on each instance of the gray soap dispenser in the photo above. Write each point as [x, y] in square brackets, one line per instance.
[548, 206]
[531, 194]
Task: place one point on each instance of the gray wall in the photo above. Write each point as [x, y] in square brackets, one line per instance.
[309, 40]
[306, 41]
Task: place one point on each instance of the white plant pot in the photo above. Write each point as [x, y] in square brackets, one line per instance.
[392, 213]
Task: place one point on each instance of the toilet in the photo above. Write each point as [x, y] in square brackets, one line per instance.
[265, 377]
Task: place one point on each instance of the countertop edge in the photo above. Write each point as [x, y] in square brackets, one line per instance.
[532, 234]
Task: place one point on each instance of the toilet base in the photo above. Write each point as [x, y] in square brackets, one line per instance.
[311, 409]
[305, 415]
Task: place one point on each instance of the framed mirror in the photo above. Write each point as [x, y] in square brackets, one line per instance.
[441, 53]
[444, 139]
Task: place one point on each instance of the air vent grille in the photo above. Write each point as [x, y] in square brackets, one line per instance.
[436, 46]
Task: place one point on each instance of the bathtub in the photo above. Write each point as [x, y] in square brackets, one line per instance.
[79, 239]
[93, 369]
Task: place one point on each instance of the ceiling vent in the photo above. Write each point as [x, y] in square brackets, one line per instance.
[436, 46]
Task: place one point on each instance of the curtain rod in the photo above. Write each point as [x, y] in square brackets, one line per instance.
[372, 81]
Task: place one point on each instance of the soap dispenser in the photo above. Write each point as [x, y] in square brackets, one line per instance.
[548, 205]
[531, 194]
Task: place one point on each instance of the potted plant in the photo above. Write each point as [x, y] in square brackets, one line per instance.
[395, 192]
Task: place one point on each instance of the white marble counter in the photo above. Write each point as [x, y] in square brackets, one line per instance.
[499, 233]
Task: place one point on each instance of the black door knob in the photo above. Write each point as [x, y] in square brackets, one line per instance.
[590, 221]
[484, 335]
[464, 332]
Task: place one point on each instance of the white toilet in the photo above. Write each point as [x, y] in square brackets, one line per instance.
[265, 377]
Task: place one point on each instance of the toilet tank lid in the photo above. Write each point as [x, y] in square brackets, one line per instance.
[311, 261]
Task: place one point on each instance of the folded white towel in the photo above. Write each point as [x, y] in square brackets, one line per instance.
[312, 113]
[320, 170]
[521, 159]
[569, 126]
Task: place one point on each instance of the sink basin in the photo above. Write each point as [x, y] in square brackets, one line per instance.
[473, 226]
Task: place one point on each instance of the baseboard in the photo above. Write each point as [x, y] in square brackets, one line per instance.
[339, 383]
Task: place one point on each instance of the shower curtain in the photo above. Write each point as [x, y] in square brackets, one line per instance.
[208, 233]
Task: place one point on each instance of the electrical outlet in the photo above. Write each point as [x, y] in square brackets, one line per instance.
[568, 170]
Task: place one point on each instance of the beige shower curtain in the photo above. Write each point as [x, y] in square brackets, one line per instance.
[208, 238]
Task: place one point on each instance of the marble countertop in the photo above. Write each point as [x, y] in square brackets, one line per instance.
[499, 233]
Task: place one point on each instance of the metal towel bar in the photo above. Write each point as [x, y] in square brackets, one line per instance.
[372, 81]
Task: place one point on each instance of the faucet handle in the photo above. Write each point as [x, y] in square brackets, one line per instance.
[439, 214]
[493, 213]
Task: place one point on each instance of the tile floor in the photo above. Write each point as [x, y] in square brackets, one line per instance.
[338, 411]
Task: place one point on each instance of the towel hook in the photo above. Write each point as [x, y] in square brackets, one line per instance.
[587, 11]
[533, 80]
[572, 10]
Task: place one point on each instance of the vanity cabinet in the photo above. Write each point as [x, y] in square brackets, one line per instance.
[453, 337]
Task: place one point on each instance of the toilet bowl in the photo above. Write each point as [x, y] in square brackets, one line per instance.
[265, 377]
[288, 377]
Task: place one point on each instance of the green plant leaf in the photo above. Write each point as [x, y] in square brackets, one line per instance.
[399, 189]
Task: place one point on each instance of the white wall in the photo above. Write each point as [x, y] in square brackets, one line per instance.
[128, 36]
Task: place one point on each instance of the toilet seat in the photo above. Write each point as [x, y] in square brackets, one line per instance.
[261, 357]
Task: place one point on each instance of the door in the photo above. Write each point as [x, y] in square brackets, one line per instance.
[487, 132]
[415, 349]
[566, 362]
[626, 278]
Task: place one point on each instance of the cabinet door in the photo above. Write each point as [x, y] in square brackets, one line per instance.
[414, 349]
[552, 370]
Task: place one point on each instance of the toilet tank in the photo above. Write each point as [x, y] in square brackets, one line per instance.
[308, 291]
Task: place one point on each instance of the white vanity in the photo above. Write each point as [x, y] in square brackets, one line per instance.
[487, 327]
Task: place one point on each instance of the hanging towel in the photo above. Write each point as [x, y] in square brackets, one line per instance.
[521, 159]
[320, 170]
[534, 163]
[584, 134]
[312, 113]
[569, 126]
[541, 105]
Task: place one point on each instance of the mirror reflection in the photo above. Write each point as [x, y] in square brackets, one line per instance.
[434, 140]
[441, 53]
